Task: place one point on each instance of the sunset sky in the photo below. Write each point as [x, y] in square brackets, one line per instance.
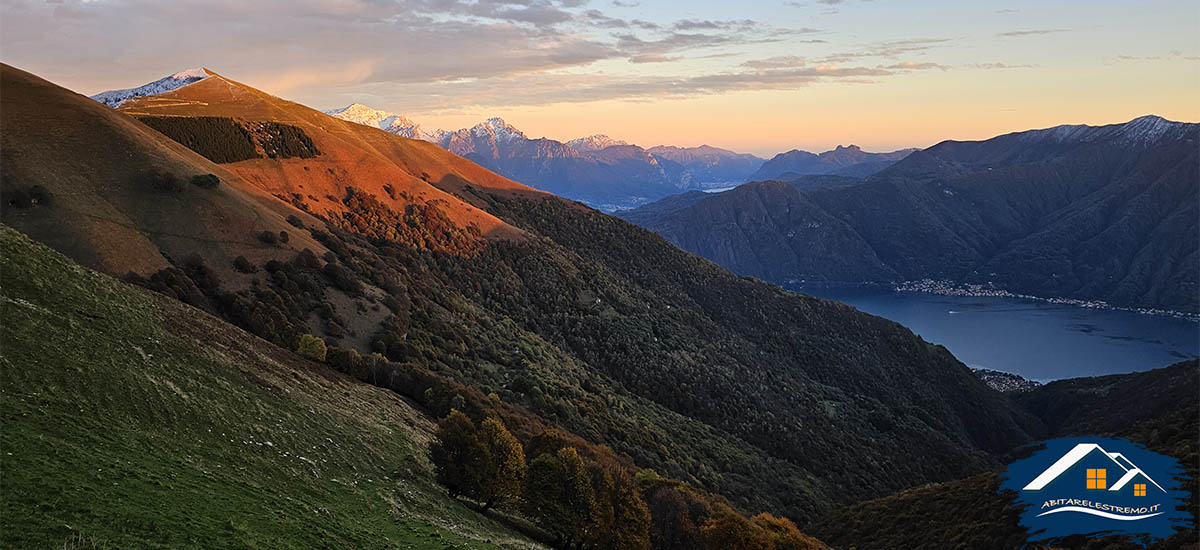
[759, 77]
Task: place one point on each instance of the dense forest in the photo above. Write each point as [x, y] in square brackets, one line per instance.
[568, 327]
[223, 139]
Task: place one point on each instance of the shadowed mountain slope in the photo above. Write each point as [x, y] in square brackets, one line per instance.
[1093, 213]
[146, 423]
[1156, 408]
[778, 401]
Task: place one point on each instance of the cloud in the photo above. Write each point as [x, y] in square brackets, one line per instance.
[775, 62]
[341, 74]
[1035, 32]
[653, 58]
[620, 4]
[913, 65]
[416, 55]
[889, 49]
[706, 24]
[994, 66]
[1173, 54]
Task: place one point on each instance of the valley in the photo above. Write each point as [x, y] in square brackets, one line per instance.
[232, 320]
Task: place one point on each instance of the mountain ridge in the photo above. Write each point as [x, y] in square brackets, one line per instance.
[556, 308]
[1091, 213]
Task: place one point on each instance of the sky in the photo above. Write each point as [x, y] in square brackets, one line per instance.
[753, 76]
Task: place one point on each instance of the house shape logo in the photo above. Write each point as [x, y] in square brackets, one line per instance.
[1097, 487]
[1101, 471]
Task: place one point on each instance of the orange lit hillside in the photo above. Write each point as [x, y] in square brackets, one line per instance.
[92, 161]
[351, 155]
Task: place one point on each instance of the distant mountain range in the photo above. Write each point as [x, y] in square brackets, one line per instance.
[843, 161]
[1086, 212]
[612, 174]
[491, 294]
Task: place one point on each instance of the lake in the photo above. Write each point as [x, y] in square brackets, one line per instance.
[1038, 340]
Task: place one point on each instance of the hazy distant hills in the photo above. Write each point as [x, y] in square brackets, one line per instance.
[844, 161]
[612, 174]
[1106, 213]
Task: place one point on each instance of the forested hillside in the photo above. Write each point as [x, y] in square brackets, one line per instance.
[780, 402]
[1091, 213]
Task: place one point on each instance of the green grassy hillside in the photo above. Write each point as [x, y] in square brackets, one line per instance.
[133, 421]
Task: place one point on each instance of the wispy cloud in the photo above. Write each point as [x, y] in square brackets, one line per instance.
[782, 61]
[994, 66]
[707, 24]
[1034, 32]
[1173, 54]
[914, 66]
[654, 58]
[888, 49]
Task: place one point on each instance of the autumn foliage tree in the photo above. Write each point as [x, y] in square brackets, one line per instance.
[503, 465]
[558, 496]
[785, 534]
[486, 464]
[732, 531]
[457, 454]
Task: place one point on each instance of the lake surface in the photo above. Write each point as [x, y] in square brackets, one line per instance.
[1037, 340]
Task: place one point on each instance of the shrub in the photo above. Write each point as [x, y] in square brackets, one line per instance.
[295, 221]
[162, 180]
[206, 181]
[240, 263]
[26, 197]
[40, 195]
[268, 237]
[311, 347]
[283, 236]
[345, 360]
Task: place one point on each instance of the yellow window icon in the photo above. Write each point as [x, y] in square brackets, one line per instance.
[1139, 489]
[1096, 478]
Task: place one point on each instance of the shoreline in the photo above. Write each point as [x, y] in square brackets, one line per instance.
[946, 288]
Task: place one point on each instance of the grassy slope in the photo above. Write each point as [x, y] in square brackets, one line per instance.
[130, 420]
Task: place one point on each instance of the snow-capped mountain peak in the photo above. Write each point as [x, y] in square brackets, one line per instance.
[114, 98]
[594, 142]
[1144, 130]
[386, 121]
[497, 127]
